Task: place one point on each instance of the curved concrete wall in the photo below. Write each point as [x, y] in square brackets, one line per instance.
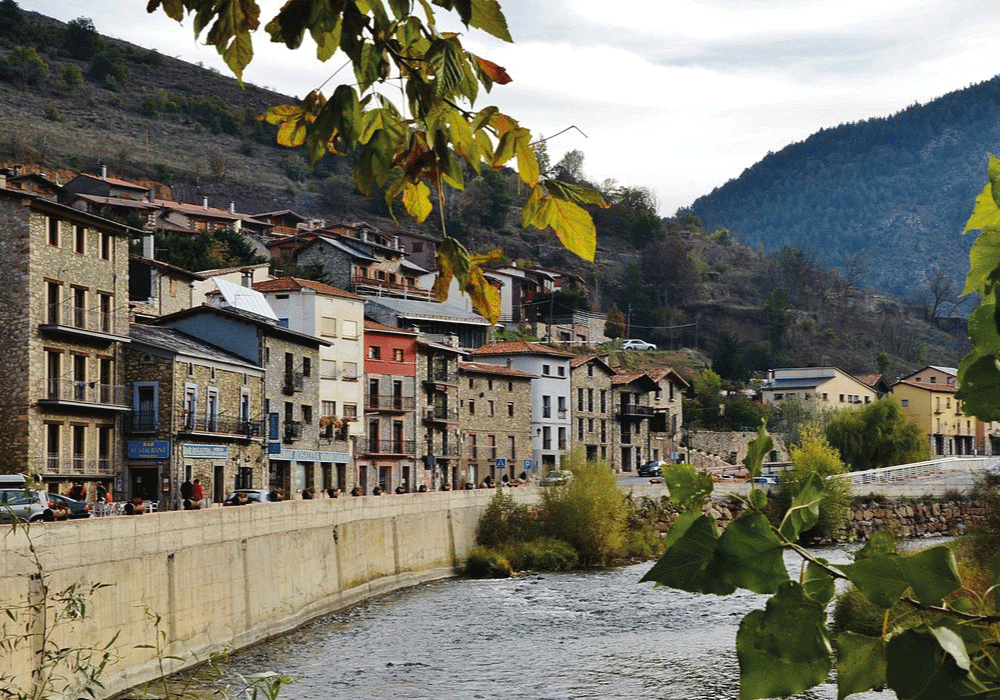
[227, 577]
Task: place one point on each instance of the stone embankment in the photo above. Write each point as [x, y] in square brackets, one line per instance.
[904, 518]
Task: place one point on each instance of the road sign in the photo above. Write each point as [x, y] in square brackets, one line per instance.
[527, 464]
[501, 462]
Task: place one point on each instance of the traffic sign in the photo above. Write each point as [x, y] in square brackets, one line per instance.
[501, 462]
[527, 464]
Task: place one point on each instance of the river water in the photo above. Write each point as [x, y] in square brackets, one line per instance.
[582, 635]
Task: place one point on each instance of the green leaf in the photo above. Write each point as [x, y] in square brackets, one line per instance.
[527, 163]
[375, 165]
[860, 664]
[979, 384]
[883, 578]
[985, 212]
[926, 663]
[984, 259]
[804, 511]
[881, 542]
[757, 450]
[783, 649]
[818, 583]
[578, 194]
[932, 573]
[879, 578]
[749, 555]
[486, 15]
[685, 563]
[688, 487]
[758, 499]
[231, 33]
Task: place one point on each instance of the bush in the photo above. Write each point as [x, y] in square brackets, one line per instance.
[542, 554]
[108, 68]
[590, 513]
[81, 40]
[24, 67]
[505, 522]
[985, 535]
[486, 563]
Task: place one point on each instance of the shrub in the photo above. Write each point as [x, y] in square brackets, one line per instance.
[108, 68]
[81, 40]
[486, 563]
[505, 522]
[542, 554]
[24, 66]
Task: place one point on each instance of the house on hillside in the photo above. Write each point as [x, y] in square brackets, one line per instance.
[927, 397]
[818, 388]
[593, 429]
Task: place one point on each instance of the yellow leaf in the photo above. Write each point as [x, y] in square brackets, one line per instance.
[484, 296]
[571, 222]
[527, 163]
[292, 133]
[417, 200]
[280, 113]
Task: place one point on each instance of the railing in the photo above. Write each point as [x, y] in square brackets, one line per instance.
[441, 376]
[294, 381]
[390, 402]
[61, 389]
[441, 414]
[202, 422]
[409, 290]
[635, 411]
[920, 470]
[69, 315]
[292, 430]
[144, 421]
[391, 447]
[447, 451]
[75, 464]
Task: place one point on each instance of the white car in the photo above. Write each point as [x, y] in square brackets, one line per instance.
[636, 344]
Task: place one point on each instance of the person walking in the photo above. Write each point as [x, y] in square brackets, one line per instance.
[197, 494]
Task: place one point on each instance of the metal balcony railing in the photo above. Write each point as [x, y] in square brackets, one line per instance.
[144, 421]
[441, 414]
[390, 402]
[634, 411]
[390, 447]
[67, 314]
[76, 464]
[441, 375]
[292, 430]
[79, 391]
[202, 422]
[294, 381]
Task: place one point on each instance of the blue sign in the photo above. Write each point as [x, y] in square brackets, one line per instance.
[148, 449]
[527, 464]
[501, 462]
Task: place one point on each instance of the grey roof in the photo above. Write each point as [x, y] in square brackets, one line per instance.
[349, 248]
[796, 383]
[416, 309]
[175, 341]
[404, 263]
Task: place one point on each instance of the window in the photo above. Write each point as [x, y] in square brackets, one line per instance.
[53, 294]
[328, 369]
[473, 452]
[510, 409]
[579, 428]
[105, 311]
[546, 369]
[562, 371]
[329, 408]
[472, 407]
[562, 405]
[510, 386]
[350, 329]
[511, 451]
[590, 425]
[905, 403]
[397, 354]
[472, 384]
[841, 398]
[105, 246]
[212, 410]
[307, 415]
[350, 410]
[604, 400]
[590, 369]
[563, 443]
[590, 400]
[53, 363]
[80, 240]
[144, 407]
[579, 399]
[53, 446]
[328, 327]
[53, 231]
[350, 371]
[546, 407]
[546, 438]
[79, 307]
[374, 352]
[491, 442]
[307, 366]
[490, 406]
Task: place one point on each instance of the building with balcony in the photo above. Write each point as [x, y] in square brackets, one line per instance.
[437, 417]
[296, 458]
[495, 427]
[64, 310]
[197, 413]
[927, 397]
[550, 394]
[387, 456]
[632, 399]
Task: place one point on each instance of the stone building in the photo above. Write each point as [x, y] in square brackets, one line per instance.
[64, 312]
[593, 429]
[495, 427]
[291, 392]
[631, 397]
[388, 456]
[197, 413]
[437, 413]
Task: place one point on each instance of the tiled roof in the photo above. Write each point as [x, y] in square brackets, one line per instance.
[581, 360]
[487, 368]
[294, 284]
[520, 347]
[927, 386]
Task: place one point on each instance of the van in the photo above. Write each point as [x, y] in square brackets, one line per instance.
[13, 481]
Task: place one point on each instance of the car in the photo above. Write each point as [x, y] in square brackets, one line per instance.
[767, 480]
[25, 505]
[252, 496]
[77, 509]
[636, 344]
[653, 468]
[556, 478]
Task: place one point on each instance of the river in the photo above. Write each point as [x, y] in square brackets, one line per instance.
[582, 635]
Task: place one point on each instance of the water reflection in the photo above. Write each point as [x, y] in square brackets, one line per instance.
[553, 636]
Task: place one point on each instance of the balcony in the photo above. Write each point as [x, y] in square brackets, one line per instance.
[144, 421]
[363, 284]
[78, 465]
[67, 320]
[389, 447]
[634, 411]
[390, 403]
[201, 422]
[294, 381]
[441, 414]
[72, 393]
[441, 375]
[292, 430]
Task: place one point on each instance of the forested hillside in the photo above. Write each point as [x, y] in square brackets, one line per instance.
[888, 196]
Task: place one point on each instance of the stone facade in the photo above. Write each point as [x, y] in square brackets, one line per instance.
[495, 419]
[437, 414]
[593, 426]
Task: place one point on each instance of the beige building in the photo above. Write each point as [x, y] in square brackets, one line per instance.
[495, 422]
[818, 387]
[927, 397]
[64, 313]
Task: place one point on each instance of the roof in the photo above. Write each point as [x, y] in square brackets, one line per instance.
[439, 346]
[231, 270]
[520, 347]
[382, 328]
[48, 206]
[658, 373]
[200, 209]
[112, 201]
[349, 248]
[927, 386]
[183, 344]
[623, 378]
[172, 269]
[581, 360]
[244, 299]
[296, 284]
[268, 327]
[499, 370]
[114, 181]
[418, 309]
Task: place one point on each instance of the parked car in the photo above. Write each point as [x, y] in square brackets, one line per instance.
[28, 506]
[556, 478]
[653, 468]
[77, 509]
[768, 480]
[252, 496]
[636, 344]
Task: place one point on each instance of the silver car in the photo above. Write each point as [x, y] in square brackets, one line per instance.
[26, 506]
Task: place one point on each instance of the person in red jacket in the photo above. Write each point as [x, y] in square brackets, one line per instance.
[197, 494]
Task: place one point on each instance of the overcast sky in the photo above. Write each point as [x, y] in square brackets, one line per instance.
[675, 95]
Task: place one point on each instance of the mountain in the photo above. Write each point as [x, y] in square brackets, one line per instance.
[886, 197]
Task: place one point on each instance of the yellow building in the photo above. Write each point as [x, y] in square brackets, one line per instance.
[928, 398]
[820, 387]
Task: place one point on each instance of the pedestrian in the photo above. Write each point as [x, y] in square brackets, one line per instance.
[197, 494]
[186, 490]
[101, 493]
[78, 492]
[333, 492]
[377, 491]
[135, 506]
[356, 491]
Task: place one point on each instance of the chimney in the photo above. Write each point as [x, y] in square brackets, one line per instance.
[104, 172]
[148, 248]
[151, 195]
[395, 242]
[204, 203]
[246, 277]
[232, 207]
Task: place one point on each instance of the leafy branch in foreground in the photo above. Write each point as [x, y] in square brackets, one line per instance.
[417, 149]
[786, 648]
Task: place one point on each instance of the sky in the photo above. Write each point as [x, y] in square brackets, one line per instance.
[678, 96]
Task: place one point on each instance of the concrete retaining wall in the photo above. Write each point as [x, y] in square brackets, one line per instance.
[227, 577]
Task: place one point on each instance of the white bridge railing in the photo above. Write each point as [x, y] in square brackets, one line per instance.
[935, 468]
